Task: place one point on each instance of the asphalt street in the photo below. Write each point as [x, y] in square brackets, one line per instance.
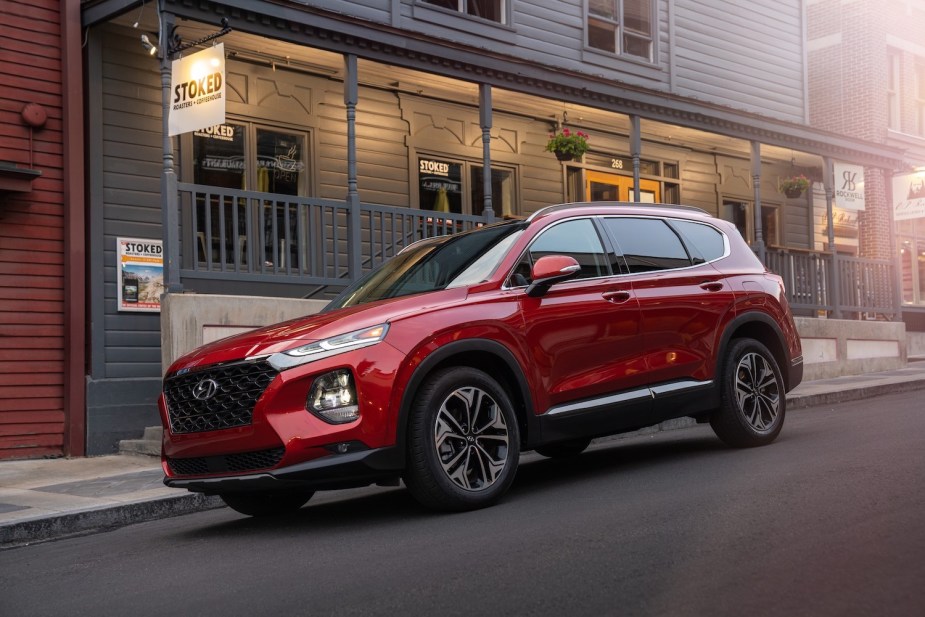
[826, 521]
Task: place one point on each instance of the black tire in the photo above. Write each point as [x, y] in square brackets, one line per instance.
[463, 441]
[564, 449]
[753, 401]
[266, 503]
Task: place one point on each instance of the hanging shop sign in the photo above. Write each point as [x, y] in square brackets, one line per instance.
[849, 186]
[909, 196]
[141, 274]
[197, 91]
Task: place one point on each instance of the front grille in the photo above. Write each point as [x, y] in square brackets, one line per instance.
[236, 390]
[245, 461]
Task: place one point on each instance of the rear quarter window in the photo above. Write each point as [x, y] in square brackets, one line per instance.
[707, 240]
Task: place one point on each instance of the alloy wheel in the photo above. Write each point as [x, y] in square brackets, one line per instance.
[471, 438]
[757, 392]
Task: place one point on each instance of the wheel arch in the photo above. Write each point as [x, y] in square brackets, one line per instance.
[762, 328]
[488, 356]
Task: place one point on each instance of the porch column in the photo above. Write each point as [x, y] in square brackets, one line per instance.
[351, 95]
[485, 117]
[828, 179]
[635, 152]
[170, 216]
[756, 188]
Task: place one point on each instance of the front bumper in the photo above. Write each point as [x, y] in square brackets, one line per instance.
[329, 472]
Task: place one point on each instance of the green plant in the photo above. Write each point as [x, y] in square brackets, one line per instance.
[793, 184]
[567, 143]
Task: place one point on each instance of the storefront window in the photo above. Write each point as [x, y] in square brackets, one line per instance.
[440, 185]
[912, 258]
[502, 191]
[218, 156]
[457, 187]
[242, 156]
[279, 162]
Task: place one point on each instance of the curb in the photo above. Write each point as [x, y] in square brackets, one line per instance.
[107, 518]
[852, 394]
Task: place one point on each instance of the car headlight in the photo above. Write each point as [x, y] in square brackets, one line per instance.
[333, 397]
[328, 347]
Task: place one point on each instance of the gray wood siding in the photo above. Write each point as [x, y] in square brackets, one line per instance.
[743, 55]
[747, 56]
[372, 10]
[130, 202]
[795, 225]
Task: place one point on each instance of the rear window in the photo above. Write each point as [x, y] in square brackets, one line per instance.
[707, 240]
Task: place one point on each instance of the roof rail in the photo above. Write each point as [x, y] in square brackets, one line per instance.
[566, 206]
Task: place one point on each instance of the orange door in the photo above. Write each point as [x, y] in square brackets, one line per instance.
[612, 187]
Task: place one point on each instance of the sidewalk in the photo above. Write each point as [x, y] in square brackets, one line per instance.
[48, 499]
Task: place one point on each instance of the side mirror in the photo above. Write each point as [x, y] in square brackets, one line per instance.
[550, 270]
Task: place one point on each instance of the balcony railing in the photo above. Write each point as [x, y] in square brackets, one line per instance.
[260, 237]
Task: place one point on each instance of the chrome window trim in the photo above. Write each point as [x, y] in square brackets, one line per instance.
[624, 397]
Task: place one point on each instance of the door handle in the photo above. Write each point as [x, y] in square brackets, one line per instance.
[711, 285]
[617, 297]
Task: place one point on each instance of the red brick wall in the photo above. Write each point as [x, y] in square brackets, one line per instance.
[848, 85]
[31, 235]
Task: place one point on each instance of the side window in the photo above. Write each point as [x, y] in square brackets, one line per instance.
[707, 240]
[647, 245]
[577, 239]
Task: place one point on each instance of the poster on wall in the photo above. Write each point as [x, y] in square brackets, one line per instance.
[909, 196]
[197, 91]
[141, 274]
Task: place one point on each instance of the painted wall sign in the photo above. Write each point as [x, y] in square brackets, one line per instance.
[197, 91]
[909, 196]
[141, 274]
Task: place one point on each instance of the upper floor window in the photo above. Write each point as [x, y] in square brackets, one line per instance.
[893, 88]
[621, 27]
[920, 97]
[492, 10]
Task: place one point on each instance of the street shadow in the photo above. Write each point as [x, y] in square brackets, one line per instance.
[537, 477]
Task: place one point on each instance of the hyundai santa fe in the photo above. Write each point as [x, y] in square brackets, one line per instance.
[446, 362]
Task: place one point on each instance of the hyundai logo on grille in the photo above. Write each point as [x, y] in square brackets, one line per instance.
[205, 389]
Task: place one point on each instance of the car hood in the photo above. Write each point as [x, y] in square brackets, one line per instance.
[295, 332]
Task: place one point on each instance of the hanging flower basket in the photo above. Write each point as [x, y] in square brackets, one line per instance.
[566, 145]
[794, 186]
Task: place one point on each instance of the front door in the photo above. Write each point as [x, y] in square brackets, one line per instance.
[613, 187]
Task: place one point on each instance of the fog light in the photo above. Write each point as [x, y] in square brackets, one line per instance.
[333, 397]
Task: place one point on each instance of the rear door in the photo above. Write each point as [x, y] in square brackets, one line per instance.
[682, 299]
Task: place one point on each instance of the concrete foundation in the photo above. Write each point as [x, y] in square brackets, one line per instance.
[836, 347]
[191, 320]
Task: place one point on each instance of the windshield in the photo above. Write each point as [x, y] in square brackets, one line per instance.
[440, 263]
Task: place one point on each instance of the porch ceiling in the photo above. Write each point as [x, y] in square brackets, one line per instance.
[269, 36]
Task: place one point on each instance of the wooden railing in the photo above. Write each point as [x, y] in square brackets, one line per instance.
[864, 287]
[261, 237]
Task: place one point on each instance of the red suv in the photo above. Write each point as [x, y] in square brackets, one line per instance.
[445, 363]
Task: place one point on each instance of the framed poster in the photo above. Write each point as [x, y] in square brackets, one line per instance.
[140, 274]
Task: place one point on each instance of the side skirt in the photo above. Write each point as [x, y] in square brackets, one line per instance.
[622, 412]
